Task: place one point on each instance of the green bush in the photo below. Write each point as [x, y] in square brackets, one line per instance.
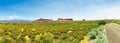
[92, 34]
[95, 31]
[102, 22]
[101, 39]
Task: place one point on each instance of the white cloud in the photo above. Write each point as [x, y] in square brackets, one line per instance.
[102, 12]
[13, 17]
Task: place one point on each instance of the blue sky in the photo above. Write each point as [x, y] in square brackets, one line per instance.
[53, 9]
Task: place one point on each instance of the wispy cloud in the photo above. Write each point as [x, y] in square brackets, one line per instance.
[13, 17]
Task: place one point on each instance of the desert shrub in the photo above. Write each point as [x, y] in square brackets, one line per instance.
[92, 34]
[102, 22]
[101, 39]
[95, 31]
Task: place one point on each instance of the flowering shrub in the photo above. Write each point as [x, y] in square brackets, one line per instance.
[55, 32]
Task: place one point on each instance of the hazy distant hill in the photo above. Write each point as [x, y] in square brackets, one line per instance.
[16, 20]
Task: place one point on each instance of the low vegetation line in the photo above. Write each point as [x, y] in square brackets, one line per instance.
[53, 32]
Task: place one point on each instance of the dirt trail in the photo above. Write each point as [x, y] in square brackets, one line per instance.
[113, 33]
